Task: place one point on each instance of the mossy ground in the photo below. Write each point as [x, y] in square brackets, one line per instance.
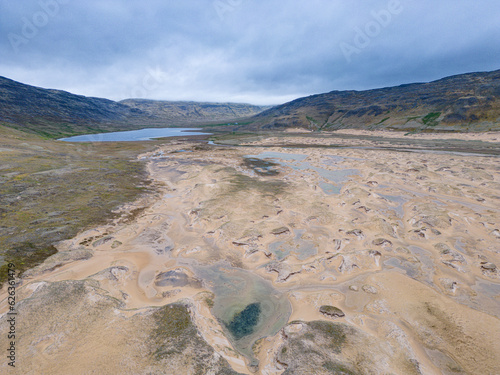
[173, 324]
[50, 190]
[175, 339]
[315, 349]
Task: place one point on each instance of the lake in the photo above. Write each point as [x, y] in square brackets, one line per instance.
[135, 135]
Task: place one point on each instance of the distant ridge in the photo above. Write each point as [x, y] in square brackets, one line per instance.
[178, 112]
[56, 113]
[465, 102]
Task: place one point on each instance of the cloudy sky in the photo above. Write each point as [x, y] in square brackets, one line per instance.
[256, 51]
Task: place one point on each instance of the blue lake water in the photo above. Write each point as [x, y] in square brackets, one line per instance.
[135, 135]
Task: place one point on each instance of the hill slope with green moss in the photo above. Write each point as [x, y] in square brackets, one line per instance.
[466, 102]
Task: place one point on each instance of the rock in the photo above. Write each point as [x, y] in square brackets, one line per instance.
[381, 242]
[454, 259]
[369, 289]
[102, 241]
[372, 183]
[442, 247]
[488, 266]
[366, 209]
[284, 270]
[172, 278]
[331, 311]
[176, 278]
[453, 265]
[337, 245]
[115, 244]
[347, 264]
[443, 169]
[376, 255]
[354, 288]
[280, 230]
[356, 232]
[455, 256]
[246, 241]
[449, 285]
[240, 243]
[252, 249]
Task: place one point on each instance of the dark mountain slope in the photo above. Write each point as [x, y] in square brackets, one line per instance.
[55, 112]
[462, 102]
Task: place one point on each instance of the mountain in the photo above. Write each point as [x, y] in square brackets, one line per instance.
[193, 112]
[466, 102]
[56, 113]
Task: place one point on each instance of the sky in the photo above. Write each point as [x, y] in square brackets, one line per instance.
[253, 51]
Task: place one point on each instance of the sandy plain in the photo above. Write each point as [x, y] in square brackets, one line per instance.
[405, 244]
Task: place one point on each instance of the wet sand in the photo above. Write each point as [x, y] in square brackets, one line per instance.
[405, 244]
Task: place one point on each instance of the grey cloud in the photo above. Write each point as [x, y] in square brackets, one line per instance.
[242, 50]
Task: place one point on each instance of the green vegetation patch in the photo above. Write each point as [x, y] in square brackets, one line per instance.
[244, 322]
[311, 119]
[383, 120]
[51, 190]
[337, 368]
[173, 331]
[431, 118]
[335, 333]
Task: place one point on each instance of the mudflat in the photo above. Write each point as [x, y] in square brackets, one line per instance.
[277, 255]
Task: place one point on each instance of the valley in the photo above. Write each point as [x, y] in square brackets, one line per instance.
[281, 253]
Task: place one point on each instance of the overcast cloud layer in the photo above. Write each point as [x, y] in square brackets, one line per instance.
[256, 51]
